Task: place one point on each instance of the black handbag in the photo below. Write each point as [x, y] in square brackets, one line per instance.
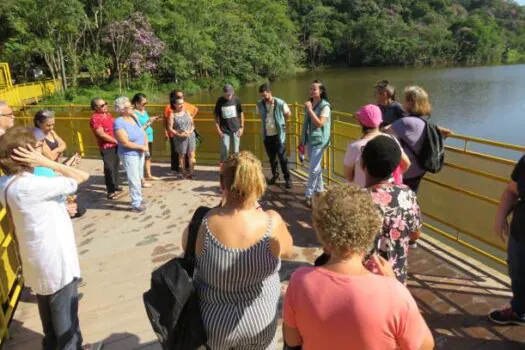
[172, 302]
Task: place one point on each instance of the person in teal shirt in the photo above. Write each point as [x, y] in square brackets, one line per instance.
[316, 136]
[139, 102]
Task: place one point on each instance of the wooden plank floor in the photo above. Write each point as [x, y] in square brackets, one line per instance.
[119, 249]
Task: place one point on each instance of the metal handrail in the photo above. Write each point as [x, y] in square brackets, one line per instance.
[330, 161]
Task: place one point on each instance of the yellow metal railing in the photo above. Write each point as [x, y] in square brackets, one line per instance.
[20, 94]
[459, 203]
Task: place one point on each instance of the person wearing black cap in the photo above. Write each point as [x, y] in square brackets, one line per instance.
[229, 120]
[397, 204]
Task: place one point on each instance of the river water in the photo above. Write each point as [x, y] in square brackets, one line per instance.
[487, 102]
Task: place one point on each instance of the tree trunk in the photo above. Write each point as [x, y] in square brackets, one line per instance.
[62, 68]
[119, 73]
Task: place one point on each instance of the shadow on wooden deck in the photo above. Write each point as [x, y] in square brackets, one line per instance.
[119, 250]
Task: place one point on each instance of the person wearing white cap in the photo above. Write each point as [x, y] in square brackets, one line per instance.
[229, 120]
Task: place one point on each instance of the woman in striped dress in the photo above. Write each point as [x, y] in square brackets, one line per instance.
[238, 259]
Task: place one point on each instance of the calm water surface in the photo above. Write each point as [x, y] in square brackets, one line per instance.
[486, 102]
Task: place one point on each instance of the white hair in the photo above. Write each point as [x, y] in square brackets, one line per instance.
[120, 104]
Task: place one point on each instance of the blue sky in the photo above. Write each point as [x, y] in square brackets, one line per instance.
[521, 2]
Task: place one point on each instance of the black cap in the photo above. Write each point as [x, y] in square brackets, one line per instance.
[381, 156]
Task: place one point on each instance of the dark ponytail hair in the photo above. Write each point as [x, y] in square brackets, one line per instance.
[41, 116]
[324, 94]
[137, 98]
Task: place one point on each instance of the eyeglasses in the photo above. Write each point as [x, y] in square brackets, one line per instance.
[179, 97]
[144, 103]
[9, 115]
[102, 105]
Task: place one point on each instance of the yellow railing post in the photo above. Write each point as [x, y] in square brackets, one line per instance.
[80, 144]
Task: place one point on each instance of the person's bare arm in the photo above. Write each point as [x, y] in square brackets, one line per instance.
[61, 143]
[445, 132]
[218, 126]
[405, 161]
[508, 201]
[122, 138]
[349, 172]
[282, 242]
[317, 120]
[291, 336]
[48, 153]
[102, 135]
[29, 156]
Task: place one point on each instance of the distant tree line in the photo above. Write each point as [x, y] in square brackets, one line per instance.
[207, 42]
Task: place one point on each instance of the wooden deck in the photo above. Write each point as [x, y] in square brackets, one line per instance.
[119, 249]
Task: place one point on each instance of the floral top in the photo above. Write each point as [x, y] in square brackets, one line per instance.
[401, 217]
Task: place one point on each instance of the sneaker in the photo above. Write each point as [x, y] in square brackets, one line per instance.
[140, 209]
[506, 317]
[288, 184]
[272, 180]
[412, 244]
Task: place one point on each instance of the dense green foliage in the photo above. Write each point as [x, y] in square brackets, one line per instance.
[202, 43]
[411, 32]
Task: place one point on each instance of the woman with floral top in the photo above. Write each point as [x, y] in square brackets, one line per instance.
[397, 203]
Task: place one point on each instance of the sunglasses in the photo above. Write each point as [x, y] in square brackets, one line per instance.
[9, 115]
[102, 105]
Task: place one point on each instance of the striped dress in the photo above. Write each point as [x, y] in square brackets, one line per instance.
[239, 290]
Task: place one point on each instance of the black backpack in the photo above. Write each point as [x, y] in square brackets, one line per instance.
[172, 303]
[432, 156]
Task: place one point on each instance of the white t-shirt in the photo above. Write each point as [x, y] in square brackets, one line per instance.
[43, 229]
[271, 128]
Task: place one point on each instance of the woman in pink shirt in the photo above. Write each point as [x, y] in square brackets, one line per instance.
[370, 118]
[342, 305]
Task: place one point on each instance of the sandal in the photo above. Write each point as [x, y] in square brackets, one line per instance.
[146, 185]
[112, 195]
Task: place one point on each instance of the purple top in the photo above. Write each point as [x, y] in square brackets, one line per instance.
[410, 131]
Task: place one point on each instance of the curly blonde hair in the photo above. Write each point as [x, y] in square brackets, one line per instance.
[242, 175]
[346, 219]
[419, 97]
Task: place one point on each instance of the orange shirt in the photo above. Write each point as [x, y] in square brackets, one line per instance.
[192, 110]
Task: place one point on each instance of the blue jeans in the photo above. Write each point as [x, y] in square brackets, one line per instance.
[225, 144]
[516, 264]
[315, 173]
[134, 166]
[59, 316]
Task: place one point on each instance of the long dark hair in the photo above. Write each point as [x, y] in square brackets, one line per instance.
[324, 94]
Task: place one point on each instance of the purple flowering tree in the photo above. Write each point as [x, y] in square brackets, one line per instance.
[133, 45]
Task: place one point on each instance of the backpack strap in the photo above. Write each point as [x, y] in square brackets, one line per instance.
[193, 231]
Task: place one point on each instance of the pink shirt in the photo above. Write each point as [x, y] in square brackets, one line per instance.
[336, 311]
[353, 157]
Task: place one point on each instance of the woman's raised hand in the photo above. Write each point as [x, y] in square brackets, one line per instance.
[29, 156]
